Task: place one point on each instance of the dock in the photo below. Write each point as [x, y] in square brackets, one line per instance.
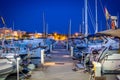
[59, 67]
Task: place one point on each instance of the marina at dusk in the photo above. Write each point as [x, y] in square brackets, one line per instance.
[59, 40]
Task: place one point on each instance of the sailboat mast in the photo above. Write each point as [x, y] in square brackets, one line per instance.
[3, 21]
[96, 24]
[69, 29]
[13, 25]
[80, 28]
[83, 21]
[46, 30]
[118, 20]
[86, 19]
[43, 25]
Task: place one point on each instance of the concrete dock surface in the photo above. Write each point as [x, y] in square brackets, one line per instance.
[59, 67]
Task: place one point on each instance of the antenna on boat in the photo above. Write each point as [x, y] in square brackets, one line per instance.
[86, 19]
[96, 24]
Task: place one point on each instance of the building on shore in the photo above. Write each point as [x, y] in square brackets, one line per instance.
[8, 33]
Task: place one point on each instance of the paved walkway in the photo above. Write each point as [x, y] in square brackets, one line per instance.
[59, 67]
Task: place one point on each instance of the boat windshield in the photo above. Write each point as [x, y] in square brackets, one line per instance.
[107, 51]
[90, 42]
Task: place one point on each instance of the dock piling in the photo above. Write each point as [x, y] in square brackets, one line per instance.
[51, 48]
[17, 68]
[71, 51]
[42, 56]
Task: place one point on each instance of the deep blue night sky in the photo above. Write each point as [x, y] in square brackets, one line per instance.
[27, 14]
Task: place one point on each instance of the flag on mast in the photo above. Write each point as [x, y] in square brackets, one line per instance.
[114, 20]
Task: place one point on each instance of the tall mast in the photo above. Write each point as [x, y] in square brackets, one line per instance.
[86, 19]
[69, 35]
[13, 25]
[118, 20]
[3, 21]
[43, 25]
[46, 30]
[80, 28]
[83, 21]
[96, 24]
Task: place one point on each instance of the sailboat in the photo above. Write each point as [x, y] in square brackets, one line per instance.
[5, 68]
[107, 57]
[8, 62]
